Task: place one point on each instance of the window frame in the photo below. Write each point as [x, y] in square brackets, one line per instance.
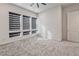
[21, 31]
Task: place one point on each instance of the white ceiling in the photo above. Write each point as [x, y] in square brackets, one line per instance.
[40, 9]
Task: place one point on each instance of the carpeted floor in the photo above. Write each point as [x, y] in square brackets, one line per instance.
[39, 47]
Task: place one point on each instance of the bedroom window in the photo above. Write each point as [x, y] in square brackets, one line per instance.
[33, 23]
[14, 24]
[34, 29]
[14, 21]
[26, 22]
[26, 25]
[20, 25]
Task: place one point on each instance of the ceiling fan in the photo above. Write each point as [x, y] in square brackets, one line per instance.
[37, 4]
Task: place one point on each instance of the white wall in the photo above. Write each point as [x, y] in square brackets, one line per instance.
[51, 23]
[4, 20]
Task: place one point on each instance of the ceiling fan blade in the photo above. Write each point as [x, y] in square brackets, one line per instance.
[44, 3]
[32, 4]
[37, 5]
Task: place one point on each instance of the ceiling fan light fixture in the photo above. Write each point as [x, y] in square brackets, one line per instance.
[37, 4]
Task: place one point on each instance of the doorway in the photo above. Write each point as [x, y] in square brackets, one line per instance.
[73, 26]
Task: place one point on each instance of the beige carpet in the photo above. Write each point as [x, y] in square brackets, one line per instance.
[35, 47]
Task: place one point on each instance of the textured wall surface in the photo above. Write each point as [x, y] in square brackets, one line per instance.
[38, 47]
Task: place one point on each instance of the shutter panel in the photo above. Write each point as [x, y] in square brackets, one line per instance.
[33, 23]
[34, 31]
[26, 23]
[14, 34]
[14, 21]
[26, 32]
[14, 24]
